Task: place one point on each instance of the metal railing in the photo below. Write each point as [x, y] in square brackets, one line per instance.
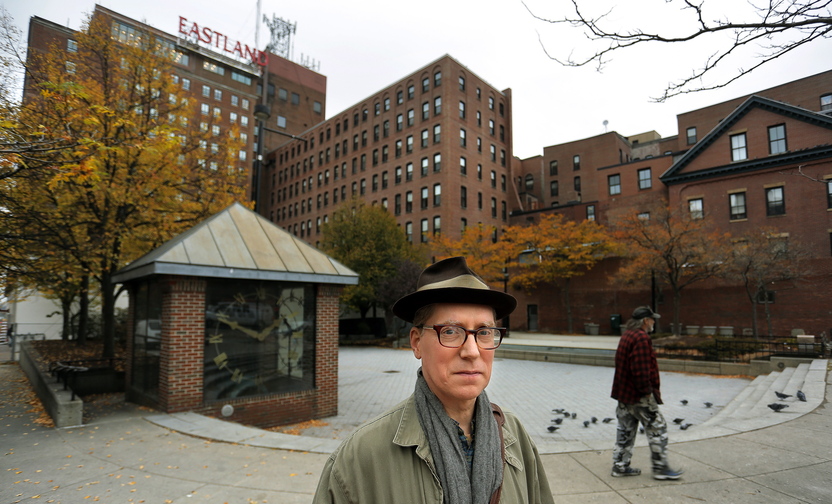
[68, 371]
[746, 350]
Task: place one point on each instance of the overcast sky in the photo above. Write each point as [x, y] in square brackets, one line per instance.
[365, 45]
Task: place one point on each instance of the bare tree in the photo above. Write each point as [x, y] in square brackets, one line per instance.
[771, 29]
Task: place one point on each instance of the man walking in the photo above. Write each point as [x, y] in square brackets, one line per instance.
[636, 387]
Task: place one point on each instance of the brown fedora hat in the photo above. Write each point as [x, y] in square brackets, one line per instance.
[452, 281]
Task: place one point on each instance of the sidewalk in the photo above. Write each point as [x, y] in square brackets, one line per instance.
[131, 454]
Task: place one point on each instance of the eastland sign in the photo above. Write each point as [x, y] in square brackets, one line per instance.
[221, 42]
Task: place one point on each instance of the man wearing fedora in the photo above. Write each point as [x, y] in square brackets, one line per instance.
[636, 387]
[446, 443]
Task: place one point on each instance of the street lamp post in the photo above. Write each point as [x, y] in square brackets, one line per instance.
[262, 114]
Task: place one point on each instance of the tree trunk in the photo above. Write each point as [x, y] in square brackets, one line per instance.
[677, 307]
[66, 318]
[108, 314]
[768, 314]
[83, 310]
[754, 318]
[566, 288]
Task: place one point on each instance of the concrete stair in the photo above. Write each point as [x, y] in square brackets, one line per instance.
[750, 411]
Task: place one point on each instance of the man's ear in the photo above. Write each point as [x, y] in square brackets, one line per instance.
[415, 341]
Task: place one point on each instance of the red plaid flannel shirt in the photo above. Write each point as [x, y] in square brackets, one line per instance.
[636, 369]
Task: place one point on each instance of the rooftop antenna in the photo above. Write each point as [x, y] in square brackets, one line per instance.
[281, 39]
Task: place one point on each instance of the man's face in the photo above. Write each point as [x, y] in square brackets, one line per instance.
[456, 375]
[650, 324]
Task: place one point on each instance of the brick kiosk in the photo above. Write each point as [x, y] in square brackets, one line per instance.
[235, 318]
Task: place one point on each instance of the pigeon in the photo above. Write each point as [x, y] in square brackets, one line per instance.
[684, 402]
[781, 395]
[574, 415]
[552, 428]
[559, 411]
[565, 414]
[708, 404]
[586, 423]
[685, 426]
[594, 420]
[607, 420]
[801, 395]
[678, 421]
[557, 420]
[641, 430]
[777, 406]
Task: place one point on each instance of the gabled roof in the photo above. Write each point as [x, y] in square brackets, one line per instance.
[239, 243]
[674, 175]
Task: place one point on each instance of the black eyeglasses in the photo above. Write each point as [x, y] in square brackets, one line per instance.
[453, 336]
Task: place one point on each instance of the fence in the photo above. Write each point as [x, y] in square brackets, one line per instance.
[18, 339]
[745, 350]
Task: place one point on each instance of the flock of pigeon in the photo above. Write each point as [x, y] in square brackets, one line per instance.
[558, 421]
[777, 407]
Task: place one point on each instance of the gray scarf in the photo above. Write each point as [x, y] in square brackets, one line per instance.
[458, 485]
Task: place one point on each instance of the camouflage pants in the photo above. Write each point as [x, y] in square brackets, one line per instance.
[646, 412]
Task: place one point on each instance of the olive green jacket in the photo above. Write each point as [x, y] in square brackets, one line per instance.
[388, 461]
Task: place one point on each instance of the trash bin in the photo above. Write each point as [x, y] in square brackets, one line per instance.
[615, 323]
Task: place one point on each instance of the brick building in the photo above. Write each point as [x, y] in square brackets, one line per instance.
[433, 148]
[226, 84]
[754, 162]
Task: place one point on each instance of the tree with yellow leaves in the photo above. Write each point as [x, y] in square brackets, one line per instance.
[671, 245]
[139, 170]
[482, 251]
[555, 250]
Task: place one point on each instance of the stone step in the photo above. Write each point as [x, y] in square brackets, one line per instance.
[762, 388]
[752, 402]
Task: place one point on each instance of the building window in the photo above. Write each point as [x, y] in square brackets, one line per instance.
[206, 91]
[425, 85]
[614, 183]
[437, 105]
[695, 206]
[777, 139]
[737, 201]
[437, 226]
[245, 104]
[529, 183]
[739, 152]
[590, 212]
[213, 67]
[399, 97]
[424, 238]
[72, 46]
[437, 162]
[408, 231]
[398, 175]
[576, 183]
[462, 83]
[409, 144]
[437, 194]
[386, 104]
[462, 110]
[644, 216]
[463, 197]
[295, 99]
[317, 107]
[437, 133]
[494, 207]
[408, 173]
[645, 178]
[553, 188]
[829, 194]
[463, 165]
[281, 121]
[826, 102]
[245, 79]
[490, 103]
[397, 208]
[462, 140]
[775, 201]
[411, 117]
[553, 168]
[411, 91]
[576, 162]
[691, 135]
